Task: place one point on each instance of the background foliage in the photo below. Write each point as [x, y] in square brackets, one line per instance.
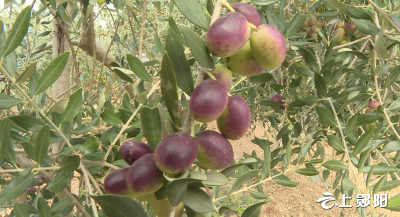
[326, 85]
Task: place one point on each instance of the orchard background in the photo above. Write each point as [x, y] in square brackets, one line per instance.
[77, 78]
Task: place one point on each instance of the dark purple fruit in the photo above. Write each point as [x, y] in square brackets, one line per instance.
[131, 150]
[31, 190]
[228, 34]
[349, 26]
[249, 12]
[276, 97]
[268, 46]
[115, 182]
[176, 153]
[373, 104]
[144, 177]
[208, 101]
[235, 120]
[223, 76]
[243, 62]
[44, 180]
[215, 151]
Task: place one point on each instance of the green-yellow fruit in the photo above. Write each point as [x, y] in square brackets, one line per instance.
[223, 75]
[100, 2]
[268, 46]
[244, 63]
[339, 34]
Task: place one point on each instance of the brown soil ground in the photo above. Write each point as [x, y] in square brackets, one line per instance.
[300, 201]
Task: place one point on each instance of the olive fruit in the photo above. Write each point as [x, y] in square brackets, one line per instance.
[131, 150]
[235, 120]
[244, 63]
[268, 46]
[208, 101]
[144, 177]
[249, 12]
[215, 151]
[228, 34]
[175, 153]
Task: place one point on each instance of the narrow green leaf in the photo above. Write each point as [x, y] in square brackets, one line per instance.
[6, 146]
[310, 59]
[320, 85]
[359, 13]
[176, 190]
[74, 106]
[8, 101]
[394, 201]
[124, 74]
[335, 142]
[61, 204]
[334, 165]
[60, 181]
[347, 184]
[261, 78]
[258, 195]
[215, 179]
[116, 205]
[29, 71]
[243, 179]
[198, 48]
[138, 68]
[253, 210]
[157, 43]
[338, 4]
[70, 163]
[367, 118]
[177, 58]
[198, 200]
[16, 187]
[381, 169]
[380, 46]
[52, 72]
[307, 171]
[119, 4]
[394, 74]
[19, 30]
[231, 169]
[110, 117]
[395, 106]
[28, 122]
[169, 89]
[365, 26]
[193, 12]
[285, 181]
[42, 143]
[351, 124]
[391, 146]
[43, 208]
[295, 24]
[362, 141]
[151, 125]
[378, 185]
[326, 116]
[363, 158]
[389, 185]
[23, 210]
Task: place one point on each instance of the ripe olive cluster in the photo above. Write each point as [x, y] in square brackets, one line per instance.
[314, 25]
[251, 48]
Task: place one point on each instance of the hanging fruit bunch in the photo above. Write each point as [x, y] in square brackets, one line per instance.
[248, 48]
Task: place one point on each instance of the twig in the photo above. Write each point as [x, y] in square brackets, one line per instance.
[384, 14]
[129, 121]
[142, 29]
[352, 42]
[105, 55]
